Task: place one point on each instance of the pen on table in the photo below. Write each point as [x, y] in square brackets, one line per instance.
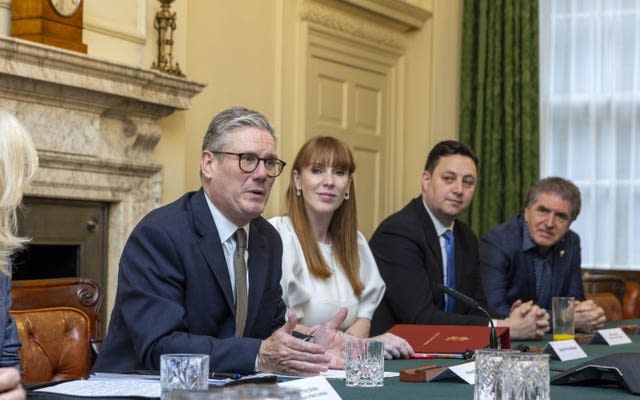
[226, 375]
[429, 356]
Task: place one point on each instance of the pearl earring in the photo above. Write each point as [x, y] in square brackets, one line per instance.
[298, 192]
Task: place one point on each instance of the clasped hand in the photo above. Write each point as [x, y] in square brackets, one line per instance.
[589, 316]
[526, 320]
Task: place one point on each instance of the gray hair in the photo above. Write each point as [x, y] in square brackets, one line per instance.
[224, 123]
[559, 186]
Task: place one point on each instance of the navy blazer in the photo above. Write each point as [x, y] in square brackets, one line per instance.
[508, 275]
[10, 343]
[174, 292]
[408, 253]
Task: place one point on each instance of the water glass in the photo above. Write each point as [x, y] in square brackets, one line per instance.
[489, 366]
[525, 377]
[364, 362]
[183, 372]
[562, 318]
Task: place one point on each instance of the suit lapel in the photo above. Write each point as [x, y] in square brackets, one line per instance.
[433, 242]
[210, 245]
[559, 265]
[433, 247]
[526, 259]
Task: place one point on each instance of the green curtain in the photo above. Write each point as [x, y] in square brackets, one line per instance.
[499, 105]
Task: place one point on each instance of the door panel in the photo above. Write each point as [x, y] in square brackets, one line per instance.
[350, 103]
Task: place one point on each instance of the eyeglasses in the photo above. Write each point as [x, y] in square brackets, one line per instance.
[248, 162]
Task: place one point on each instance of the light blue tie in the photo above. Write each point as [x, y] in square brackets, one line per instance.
[449, 247]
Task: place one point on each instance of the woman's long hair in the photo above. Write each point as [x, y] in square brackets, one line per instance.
[343, 228]
[18, 164]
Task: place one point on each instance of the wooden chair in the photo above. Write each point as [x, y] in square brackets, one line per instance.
[609, 303]
[606, 290]
[631, 303]
[58, 323]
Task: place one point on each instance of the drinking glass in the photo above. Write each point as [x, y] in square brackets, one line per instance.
[183, 372]
[364, 362]
[489, 365]
[562, 317]
[525, 377]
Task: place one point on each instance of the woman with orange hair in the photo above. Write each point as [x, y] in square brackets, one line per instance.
[326, 261]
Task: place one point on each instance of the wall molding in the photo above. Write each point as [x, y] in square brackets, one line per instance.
[351, 25]
[136, 33]
[406, 15]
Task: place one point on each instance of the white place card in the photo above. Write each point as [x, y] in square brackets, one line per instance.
[465, 372]
[564, 350]
[316, 388]
[612, 337]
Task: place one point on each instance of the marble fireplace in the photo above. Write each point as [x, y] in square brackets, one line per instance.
[95, 125]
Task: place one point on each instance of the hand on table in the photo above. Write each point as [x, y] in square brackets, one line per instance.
[10, 386]
[526, 321]
[589, 316]
[395, 346]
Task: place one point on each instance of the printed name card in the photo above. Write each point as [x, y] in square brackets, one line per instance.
[564, 350]
[316, 388]
[465, 372]
[612, 337]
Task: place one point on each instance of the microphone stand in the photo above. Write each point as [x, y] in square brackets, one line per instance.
[493, 340]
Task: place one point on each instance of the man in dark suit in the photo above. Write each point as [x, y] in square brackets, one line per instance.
[177, 286]
[411, 248]
[534, 256]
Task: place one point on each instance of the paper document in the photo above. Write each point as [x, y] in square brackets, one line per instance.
[107, 388]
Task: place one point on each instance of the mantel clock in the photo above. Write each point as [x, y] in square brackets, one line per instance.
[53, 22]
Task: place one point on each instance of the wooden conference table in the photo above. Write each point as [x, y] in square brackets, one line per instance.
[446, 390]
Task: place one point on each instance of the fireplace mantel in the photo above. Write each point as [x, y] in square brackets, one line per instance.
[95, 125]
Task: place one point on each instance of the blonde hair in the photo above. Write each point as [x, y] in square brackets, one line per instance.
[343, 229]
[18, 164]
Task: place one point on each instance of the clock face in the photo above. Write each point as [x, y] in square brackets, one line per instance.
[66, 8]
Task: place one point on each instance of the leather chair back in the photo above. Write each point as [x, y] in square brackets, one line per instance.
[609, 303]
[631, 304]
[57, 321]
[597, 283]
[607, 291]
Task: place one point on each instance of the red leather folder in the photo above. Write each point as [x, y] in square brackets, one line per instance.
[449, 339]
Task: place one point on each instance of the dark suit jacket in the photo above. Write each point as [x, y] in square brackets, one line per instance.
[9, 342]
[508, 275]
[407, 250]
[174, 292]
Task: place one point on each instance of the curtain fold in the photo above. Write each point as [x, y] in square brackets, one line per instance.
[499, 105]
[590, 120]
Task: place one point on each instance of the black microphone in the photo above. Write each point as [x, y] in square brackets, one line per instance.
[493, 341]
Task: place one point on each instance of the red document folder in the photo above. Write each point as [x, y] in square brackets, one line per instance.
[449, 339]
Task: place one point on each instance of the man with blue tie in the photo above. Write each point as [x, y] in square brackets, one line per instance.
[535, 256]
[424, 245]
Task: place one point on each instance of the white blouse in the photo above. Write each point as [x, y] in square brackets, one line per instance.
[316, 301]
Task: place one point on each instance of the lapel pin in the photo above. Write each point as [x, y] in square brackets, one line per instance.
[561, 252]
